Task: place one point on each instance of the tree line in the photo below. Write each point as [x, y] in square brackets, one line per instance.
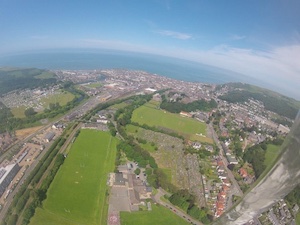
[186, 201]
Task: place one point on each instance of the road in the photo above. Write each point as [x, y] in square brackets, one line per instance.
[172, 208]
[235, 188]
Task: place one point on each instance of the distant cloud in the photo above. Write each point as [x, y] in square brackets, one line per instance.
[236, 37]
[278, 68]
[39, 37]
[174, 34]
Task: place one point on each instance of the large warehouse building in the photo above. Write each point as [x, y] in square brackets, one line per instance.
[7, 174]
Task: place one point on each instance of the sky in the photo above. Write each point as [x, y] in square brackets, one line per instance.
[260, 39]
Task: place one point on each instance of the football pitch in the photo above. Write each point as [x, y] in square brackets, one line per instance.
[77, 194]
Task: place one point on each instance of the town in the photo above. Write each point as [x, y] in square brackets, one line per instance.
[240, 140]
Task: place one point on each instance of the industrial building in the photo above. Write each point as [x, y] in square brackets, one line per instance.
[7, 174]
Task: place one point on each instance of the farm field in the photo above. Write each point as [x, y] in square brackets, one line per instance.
[77, 194]
[158, 215]
[271, 154]
[190, 128]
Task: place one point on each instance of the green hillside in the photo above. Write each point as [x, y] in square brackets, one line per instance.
[17, 78]
[273, 101]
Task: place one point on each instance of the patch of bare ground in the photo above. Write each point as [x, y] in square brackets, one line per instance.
[27, 131]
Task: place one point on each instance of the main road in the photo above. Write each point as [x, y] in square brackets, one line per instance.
[235, 189]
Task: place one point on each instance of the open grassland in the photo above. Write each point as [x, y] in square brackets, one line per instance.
[119, 106]
[94, 85]
[78, 193]
[18, 112]
[46, 75]
[190, 128]
[271, 154]
[158, 215]
[62, 98]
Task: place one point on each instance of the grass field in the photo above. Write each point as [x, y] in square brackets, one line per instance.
[94, 85]
[18, 111]
[46, 75]
[298, 219]
[149, 114]
[119, 106]
[78, 193]
[271, 154]
[159, 215]
[63, 98]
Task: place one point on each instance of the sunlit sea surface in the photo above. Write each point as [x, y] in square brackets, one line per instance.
[107, 59]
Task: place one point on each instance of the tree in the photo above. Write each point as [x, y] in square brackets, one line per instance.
[137, 171]
[30, 112]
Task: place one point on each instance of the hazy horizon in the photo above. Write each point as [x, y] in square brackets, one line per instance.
[257, 39]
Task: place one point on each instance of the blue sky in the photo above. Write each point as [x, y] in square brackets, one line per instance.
[260, 39]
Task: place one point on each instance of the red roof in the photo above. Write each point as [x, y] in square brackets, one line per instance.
[243, 172]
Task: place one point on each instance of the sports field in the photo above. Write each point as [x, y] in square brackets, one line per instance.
[149, 114]
[78, 193]
[158, 215]
[271, 154]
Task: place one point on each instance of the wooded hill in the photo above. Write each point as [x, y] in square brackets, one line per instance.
[272, 101]
[16, 78]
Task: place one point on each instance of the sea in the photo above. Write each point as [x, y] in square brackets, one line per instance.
[78, 59]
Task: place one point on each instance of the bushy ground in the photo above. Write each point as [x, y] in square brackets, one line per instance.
[77, 195]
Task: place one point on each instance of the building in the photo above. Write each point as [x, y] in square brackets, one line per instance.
[7, 174]
[119, 180]
[185, 114]
[49, 136]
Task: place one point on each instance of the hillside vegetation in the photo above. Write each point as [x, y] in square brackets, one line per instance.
[16, 78]
[272, 101]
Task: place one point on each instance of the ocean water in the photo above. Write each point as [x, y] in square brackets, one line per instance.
[106, 59]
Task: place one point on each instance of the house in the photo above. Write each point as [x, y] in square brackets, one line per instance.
[185, 114]
[232, 160]
[196, 145]
[209, 148]
[102, 121]
[243, 172]
[58, 126]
